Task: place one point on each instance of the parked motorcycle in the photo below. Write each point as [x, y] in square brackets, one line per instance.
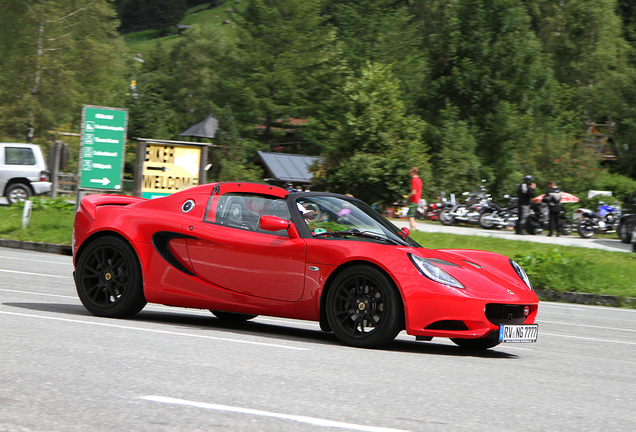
[539, 219]
[604, 220]
[495, 216]
[469, 211]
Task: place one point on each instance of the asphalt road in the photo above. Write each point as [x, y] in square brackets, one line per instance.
[170, 369]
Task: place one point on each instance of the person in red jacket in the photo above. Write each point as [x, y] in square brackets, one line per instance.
[414, 196]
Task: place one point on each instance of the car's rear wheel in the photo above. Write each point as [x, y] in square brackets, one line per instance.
[17, 192]
[108, 279]
[363, 307]
[232, 316]
[476, 344]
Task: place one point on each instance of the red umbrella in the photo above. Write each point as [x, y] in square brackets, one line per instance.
[565, 198]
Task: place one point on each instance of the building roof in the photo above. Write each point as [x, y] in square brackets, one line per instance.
[291, 168]
[206, 128]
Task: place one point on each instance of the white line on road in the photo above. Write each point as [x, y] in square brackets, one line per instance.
[70, 260]
[35, 274]
[587, 325]
[587, 338]
[302, 419]
[156, 331]
[40, 294]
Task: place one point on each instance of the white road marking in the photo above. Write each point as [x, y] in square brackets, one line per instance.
[156, 331]
[587, 338]
[302, 419]
[588, 325]
[40, 294]
[70, 261]
[35, 274]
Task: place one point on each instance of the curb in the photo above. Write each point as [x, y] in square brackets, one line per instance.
[584, 298]
[543, 294]
[38, 247]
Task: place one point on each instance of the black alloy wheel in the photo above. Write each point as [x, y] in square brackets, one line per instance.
[363, 307]
[232, 316]
[108, 279]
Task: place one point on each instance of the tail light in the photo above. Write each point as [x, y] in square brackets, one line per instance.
[44, 176]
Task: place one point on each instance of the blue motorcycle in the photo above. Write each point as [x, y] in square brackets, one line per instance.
[604, 220]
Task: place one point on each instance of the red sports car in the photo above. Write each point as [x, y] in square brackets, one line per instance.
[246, 249]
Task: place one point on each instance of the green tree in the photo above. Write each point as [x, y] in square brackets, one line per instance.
[283, 60]
[488, 64]
[452, 149]
[375, 144]
[61, 54]
[161, 14]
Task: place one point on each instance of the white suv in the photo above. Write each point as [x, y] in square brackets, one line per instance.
[22, 172]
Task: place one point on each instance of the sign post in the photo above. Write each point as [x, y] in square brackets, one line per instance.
[102, 148]
[165, 166]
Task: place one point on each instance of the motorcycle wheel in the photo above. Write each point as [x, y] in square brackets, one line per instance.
[625, 232]
[445, 218]
[533, 226]
[484, 223]
[585, 228]
[566, 226]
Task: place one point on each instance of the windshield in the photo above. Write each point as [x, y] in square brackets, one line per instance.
[327, 215]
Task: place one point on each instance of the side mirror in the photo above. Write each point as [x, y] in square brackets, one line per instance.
[273, 223]
[406, 232]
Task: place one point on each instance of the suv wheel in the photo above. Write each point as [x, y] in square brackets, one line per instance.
[17, 192]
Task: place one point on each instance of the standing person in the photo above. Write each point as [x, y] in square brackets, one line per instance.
[525, 192]
[553, 199]
[414, 196]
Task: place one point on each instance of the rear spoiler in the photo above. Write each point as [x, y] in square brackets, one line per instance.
[91, 202]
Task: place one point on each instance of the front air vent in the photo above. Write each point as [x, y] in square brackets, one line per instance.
[451, 325]
[505, 314]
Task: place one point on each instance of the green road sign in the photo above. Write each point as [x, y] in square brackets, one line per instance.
[102, 147]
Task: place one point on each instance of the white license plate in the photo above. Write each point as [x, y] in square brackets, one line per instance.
[518, 333]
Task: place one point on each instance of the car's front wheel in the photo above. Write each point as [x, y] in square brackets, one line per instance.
[17, 192]
[108, 279]
[364, 308]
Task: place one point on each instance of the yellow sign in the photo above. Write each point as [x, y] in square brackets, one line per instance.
[169, 169]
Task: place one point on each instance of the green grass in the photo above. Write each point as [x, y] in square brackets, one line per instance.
[51, 222]
[561, 268]
[143, 41]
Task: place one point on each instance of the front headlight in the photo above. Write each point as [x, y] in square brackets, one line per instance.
[434, 273]
[522, 274]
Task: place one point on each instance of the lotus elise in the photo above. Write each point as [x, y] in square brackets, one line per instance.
[246, 249]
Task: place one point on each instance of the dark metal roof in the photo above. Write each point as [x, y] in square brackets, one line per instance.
[287, 167]
[206, 128]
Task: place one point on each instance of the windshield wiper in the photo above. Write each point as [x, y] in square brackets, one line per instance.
[367, 234]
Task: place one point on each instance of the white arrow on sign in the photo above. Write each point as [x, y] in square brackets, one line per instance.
[103, 181]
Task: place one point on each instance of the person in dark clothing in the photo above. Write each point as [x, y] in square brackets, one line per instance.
[525, 192]
[553, 199]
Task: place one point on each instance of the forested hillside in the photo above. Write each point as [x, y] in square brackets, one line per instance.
[464, 89]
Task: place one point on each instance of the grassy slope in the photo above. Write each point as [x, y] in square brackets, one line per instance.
[143, 41]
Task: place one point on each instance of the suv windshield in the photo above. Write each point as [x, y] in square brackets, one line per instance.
[332, 216]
